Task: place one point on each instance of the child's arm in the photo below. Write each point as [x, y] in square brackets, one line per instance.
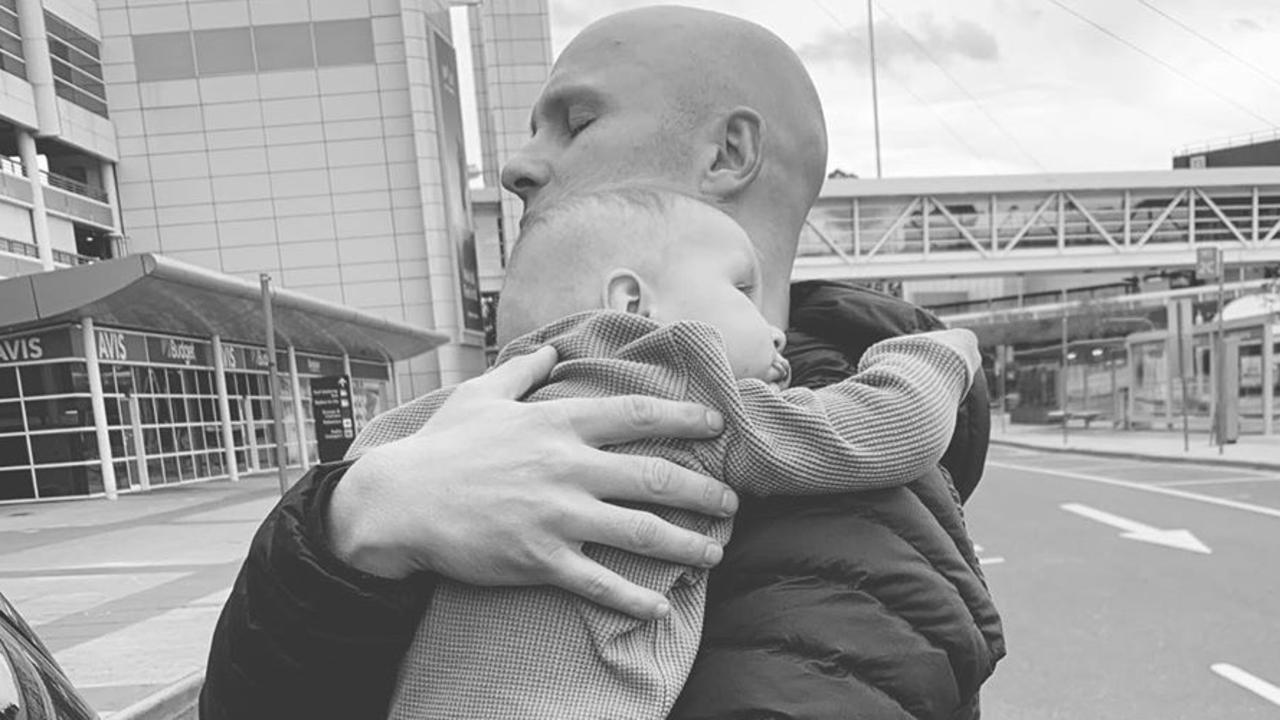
[880, 428]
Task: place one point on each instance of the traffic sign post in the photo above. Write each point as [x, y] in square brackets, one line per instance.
[1209, 267]
[334, 420]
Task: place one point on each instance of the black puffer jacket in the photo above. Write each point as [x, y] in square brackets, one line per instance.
[842, 607]
[869, 605]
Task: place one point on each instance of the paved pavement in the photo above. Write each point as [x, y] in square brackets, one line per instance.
[126, 593]
[1249, 451]
[1131, 588]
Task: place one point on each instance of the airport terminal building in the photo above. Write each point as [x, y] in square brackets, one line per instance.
[157, 157]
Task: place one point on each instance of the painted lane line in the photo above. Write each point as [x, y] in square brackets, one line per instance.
[1218, 481]
[1173, 492]
[1248, 681]
[1134, 530]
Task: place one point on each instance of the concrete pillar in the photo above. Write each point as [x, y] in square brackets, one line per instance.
[109, 185]
[35, 50]
[1268, 377]
[395, 383]
[346, 365]
[251, 432]
[299, 422]
[39, 217]
[90, 341]
[224, 410]
[139, 443]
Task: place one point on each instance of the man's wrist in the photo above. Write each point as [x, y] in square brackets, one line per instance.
[349, 520]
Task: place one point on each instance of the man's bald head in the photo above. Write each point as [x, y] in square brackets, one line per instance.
[710, 104]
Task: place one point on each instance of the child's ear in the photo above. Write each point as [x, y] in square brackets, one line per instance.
[624, 291]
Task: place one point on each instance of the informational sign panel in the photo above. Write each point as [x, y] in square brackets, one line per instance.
[453, 171]
[1208, 263]
[334, 422]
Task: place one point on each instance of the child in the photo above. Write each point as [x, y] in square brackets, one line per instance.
[668, 284]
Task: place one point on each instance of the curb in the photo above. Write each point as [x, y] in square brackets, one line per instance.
[178, 701]
[1129, 455]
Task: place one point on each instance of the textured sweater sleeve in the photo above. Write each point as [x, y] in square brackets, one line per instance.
[882, 427]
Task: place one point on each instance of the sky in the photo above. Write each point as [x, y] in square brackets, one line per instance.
[976, 87]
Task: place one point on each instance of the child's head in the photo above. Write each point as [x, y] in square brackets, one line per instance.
[658, 254]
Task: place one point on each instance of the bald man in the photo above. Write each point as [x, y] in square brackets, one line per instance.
[496, 492]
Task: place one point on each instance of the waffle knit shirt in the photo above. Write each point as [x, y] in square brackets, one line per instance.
[541, 652]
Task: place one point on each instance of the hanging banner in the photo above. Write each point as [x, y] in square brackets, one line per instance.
[457, 200]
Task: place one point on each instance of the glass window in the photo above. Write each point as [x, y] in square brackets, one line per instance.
[182, 436]
[215, 464]
[283, 47]
[54, 379]
[179, 409]
[163, 415]
[344, 42]
[16, 485]
[152, 441]
[224, 51]
[124, 379]
[147, 409]
[152, 381]
[187, 466]
[193, 410]
[65, 412]
[108, 379]
[202, 466]
[112, 406]
[8, 383]
[63, 447]
[116, 438]
[11, 417]
[204, 383]
[65, 481]
[13, 451]
[175, 381]
[155, 470]
[164, 56]
[76, 64]
[166, 441]
[171, 474]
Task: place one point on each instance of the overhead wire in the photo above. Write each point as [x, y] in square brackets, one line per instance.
[954, 81]
[1227, 51]
[902, 83]
[1171, 68]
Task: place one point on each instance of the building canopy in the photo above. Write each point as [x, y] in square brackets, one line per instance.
[152, 292]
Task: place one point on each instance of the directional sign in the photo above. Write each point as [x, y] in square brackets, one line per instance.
[1208, 263]
[1133, 530]
[334, 421]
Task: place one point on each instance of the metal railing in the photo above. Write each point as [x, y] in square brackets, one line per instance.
[905, 228]
[14, 167]
[26, 249]
[1223, 143]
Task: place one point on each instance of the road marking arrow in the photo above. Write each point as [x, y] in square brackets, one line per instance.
[1180, 539]
[1248, 681]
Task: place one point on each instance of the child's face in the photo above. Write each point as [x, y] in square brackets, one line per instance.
[713, 276]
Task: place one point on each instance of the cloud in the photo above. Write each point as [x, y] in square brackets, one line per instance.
[1245, 24]
[962, 38]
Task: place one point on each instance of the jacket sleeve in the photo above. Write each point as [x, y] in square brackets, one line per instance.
[302, 634]
[881, 427]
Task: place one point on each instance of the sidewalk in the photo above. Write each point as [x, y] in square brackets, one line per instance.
[1250, 451]
[126, 593]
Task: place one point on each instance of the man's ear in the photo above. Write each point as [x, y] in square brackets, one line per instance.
[739, 153]
[624, 291]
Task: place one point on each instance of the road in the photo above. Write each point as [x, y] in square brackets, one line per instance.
[1104, 626]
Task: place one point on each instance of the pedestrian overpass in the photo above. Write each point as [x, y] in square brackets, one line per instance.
[946, 227]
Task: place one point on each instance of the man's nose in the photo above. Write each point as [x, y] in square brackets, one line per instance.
[525, 174]
[779, 339]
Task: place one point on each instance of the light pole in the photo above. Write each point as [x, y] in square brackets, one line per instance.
[875, 94]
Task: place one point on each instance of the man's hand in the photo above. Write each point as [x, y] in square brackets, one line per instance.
[492, 491]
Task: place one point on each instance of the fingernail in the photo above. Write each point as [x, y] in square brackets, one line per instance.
[663, 608]
[715, 420]
[729, 502]
[712, 555]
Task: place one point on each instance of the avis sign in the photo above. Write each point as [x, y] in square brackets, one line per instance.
[335, 422]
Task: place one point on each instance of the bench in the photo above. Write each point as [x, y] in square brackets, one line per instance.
[1088, 416]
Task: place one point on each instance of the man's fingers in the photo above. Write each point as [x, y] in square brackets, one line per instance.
[614, 420]
[515, 378]
[640, 478]
[582, 576]
[644, 533]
